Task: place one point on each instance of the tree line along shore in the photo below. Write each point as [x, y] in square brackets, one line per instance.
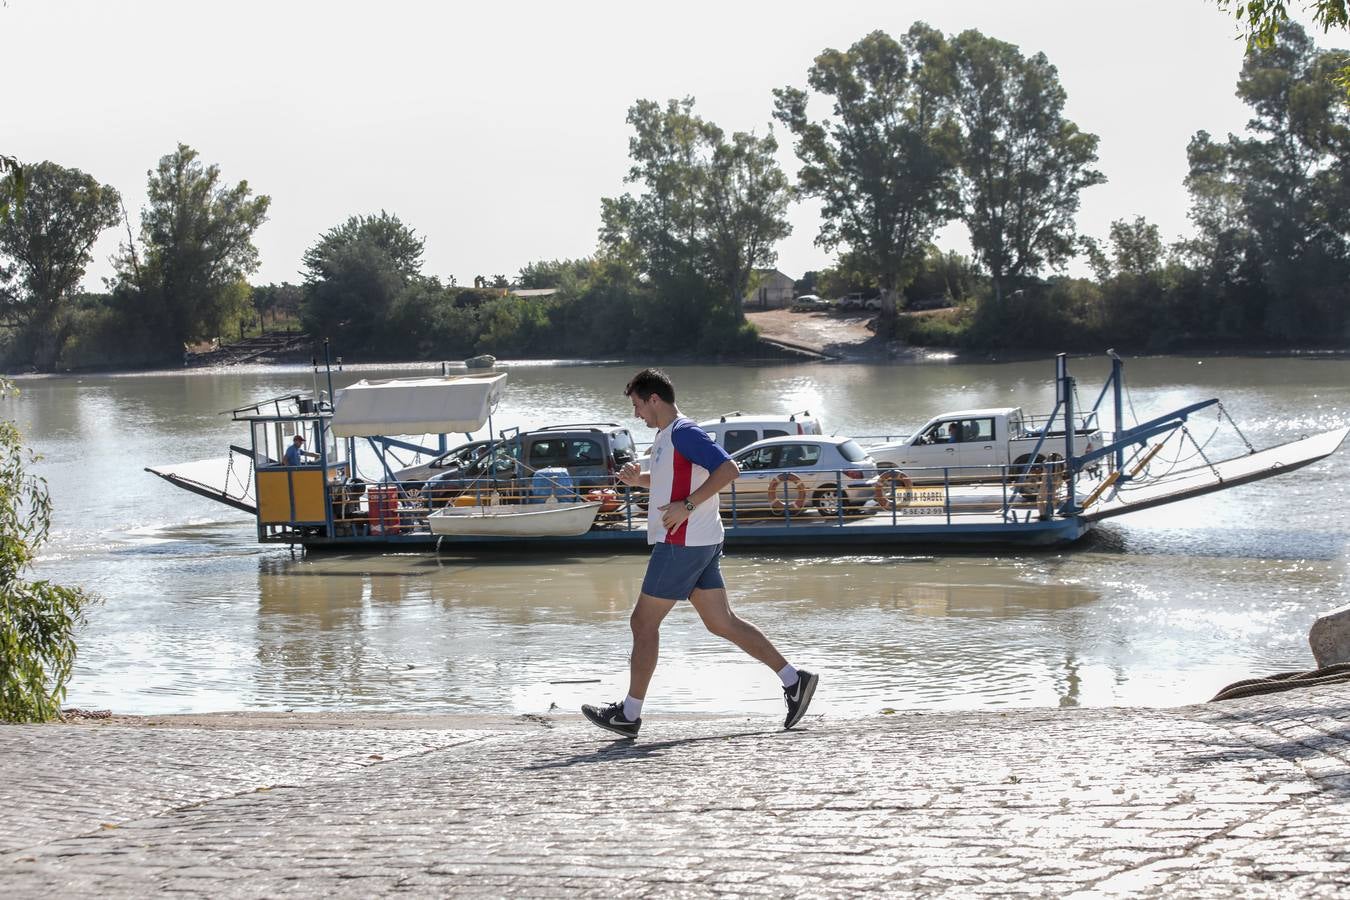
[925, 129]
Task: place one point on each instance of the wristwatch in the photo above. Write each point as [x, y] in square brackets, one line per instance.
[688, 504]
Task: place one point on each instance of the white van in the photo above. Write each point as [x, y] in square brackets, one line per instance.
[734, 430]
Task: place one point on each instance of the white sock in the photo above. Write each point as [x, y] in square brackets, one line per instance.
[632, 708]
[788, 674]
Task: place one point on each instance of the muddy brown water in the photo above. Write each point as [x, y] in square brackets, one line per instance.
[1159, 608]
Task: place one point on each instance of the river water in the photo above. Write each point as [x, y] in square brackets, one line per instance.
[1160, 607]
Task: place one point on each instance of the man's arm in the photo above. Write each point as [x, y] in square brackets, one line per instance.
[719, 478]
[675, 512]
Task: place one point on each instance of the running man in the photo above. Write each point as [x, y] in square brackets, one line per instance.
[684, 527]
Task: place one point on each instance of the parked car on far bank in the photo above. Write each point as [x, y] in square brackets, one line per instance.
[810, 303]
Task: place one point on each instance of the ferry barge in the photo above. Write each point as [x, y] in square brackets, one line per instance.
[351, 497]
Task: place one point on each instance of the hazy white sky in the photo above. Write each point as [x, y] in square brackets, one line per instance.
[494, 130]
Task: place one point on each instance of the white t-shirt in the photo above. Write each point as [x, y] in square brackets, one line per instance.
[682, 458]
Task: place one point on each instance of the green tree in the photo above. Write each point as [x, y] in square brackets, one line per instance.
[1137, 246]
[710, 213]
[385, 233]
[948, 276]
[884, 166]
[1262, 20]
[847, 276]
[658, 230]
[1022, 163]
[1137, 303]
[49, 238]
[744, 211]
[198, 238]
[278, 299]
[1272, 208]
[551, 273]
[353, 276]
[37, 618]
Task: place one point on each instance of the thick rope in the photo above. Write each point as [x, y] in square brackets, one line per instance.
[1285, 681]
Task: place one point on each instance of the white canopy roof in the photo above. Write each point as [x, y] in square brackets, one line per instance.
[436, 405]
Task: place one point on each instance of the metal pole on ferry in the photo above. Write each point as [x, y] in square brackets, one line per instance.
[328, 368]
[1066, 390]
[1117, 386]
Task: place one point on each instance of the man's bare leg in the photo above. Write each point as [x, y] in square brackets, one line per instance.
[715, 610]
[646, 624]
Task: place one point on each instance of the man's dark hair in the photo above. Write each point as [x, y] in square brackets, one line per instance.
[648, 382]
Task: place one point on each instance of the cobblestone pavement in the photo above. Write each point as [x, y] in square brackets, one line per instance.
[1250, 797]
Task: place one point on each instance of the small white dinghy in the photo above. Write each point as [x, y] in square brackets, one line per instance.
[549, 519]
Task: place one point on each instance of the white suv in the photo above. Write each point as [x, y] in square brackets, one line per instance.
[736, 431]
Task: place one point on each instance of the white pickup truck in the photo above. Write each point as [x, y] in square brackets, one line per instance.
[950, 444]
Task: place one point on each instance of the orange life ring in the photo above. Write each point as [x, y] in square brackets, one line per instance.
[797, 502]
[903, 490]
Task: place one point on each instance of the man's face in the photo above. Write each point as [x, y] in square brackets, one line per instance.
[645, 409]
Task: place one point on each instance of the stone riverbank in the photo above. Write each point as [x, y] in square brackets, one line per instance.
[1250, 797]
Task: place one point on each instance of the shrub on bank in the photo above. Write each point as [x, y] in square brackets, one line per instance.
[101, 337]
[37, 618]
[946, 328]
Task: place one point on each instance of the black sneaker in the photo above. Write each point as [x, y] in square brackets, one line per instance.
[798, 697]
[611, 718]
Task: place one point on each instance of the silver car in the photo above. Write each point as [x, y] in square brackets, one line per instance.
[802, 472]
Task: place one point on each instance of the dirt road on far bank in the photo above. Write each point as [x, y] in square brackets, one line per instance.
[843, 335]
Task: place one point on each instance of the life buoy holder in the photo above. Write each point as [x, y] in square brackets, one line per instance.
[894, 489]
[796, 502]
[1055, 470]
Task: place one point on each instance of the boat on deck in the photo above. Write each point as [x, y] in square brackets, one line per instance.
[503, 520]
[353, 497]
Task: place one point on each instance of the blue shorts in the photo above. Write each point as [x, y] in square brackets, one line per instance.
[674, 571]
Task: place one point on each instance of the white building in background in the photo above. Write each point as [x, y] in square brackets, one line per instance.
[769, 289]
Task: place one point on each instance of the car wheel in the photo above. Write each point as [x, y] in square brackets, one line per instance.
[827, 500]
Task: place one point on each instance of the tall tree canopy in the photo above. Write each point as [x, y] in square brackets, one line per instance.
[1022, 163]
[1136, 246]
[1273, 208]
[353, 274]
[884, 167]
[397, 242]
[712, 208]
[49, 238]
[198, 239]
[744, 210]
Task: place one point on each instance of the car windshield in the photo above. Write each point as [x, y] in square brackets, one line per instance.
[504, 457]
[852, 452]
[761, 458]
[464, 454]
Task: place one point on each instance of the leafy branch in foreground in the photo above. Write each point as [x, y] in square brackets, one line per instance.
[37, 618]
[18, 184]
[1262, 20]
